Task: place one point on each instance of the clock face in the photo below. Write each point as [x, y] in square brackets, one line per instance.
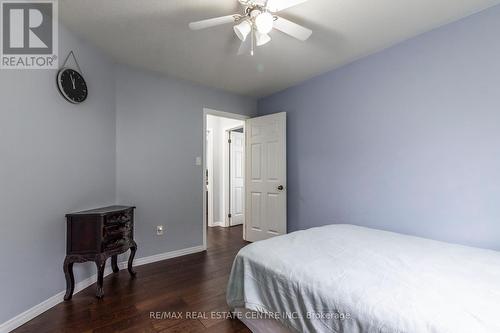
[72, 85]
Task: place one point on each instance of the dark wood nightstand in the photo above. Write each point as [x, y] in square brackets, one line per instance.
[95, 235]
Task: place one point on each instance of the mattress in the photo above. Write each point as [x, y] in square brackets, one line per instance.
[344, 278]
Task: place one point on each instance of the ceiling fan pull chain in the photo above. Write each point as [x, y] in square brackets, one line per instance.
[253, 41]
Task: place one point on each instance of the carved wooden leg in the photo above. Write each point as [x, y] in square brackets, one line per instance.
[114, 263]
[70, 278]
[100, 263]
[133, 249]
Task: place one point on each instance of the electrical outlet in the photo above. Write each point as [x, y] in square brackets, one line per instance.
[159, 230]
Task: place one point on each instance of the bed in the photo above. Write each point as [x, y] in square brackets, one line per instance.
[345, 278]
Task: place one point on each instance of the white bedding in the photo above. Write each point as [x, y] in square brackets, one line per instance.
[257, 325]
[378, 281]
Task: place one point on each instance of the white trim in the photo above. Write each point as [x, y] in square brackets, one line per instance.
[207, 111]
[38, 309]
[165, 256]
[218, 224]
[210, 180]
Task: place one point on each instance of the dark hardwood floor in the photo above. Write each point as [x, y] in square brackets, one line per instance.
[192, 285]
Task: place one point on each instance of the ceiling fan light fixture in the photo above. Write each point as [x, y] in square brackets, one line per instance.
[257, 19]
[261, 39]
[242, 30]
[264, 22]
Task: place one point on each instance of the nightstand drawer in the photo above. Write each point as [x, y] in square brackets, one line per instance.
[119, 218]
[117, 231]
[116, 244]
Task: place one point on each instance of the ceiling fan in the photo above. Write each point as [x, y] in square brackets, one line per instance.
[258, 20]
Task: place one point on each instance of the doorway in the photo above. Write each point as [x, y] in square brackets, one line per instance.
[224, 171]
[264, 190]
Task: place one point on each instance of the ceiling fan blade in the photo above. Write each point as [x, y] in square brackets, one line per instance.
[278, 5]
[292, 29]
[203, 24]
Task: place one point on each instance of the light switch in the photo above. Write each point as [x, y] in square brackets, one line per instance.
[198, 160]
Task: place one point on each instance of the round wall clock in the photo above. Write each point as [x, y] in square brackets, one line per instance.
[72, 85]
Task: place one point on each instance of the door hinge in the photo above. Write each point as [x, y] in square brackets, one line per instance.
[229, 215]
[229, 141]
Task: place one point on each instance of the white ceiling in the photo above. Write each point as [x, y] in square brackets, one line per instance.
[154, 34]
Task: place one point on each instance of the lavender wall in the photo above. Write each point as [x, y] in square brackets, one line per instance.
[406, 140]
[159, 134]
[55, 158]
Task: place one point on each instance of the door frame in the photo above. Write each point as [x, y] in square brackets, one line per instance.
[206, 112]
[210, 167]
[226, 181]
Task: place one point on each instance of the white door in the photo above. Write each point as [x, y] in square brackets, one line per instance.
[265, 177]
[237, 178]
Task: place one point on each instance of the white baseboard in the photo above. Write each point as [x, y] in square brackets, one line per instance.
[218, 224]
[40, 308]
[165, 256]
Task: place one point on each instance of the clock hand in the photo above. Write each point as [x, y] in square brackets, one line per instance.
[72, 80]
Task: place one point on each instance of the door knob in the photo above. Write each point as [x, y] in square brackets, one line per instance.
[280, 188]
